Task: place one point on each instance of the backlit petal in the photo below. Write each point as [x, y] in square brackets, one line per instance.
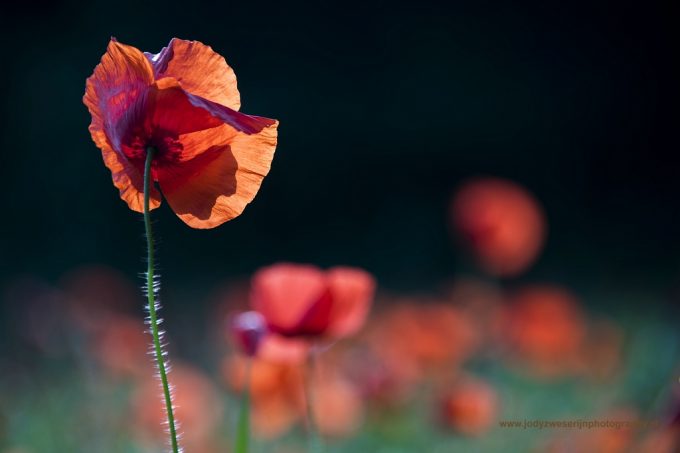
[128, 180]
[121, 77]
[173, 111]
[278, 349]
[284, 293]
[315, 321]
[217, 184]
[239, 121]
[117, 84]
[352, 291]
[199, 70]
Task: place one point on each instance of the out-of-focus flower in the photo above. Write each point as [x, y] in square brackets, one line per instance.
[278, 399]
[121, 346]
[470, 406]
[248, 330]
[209, 159]
[501, 222]
[377, 381]
[337, 406]
[276, 348]
[275, 390]
[99, 303]
[197, 404]
[231, 302]
[415, 338]
[273, 417]
[544, 328]
[304, 301]
[267, 378]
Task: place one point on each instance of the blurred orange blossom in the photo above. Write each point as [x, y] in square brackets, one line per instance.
[545, 327]
[275, 389]
[415, 337]
[278, 401]
[501, 222]
[470, 406]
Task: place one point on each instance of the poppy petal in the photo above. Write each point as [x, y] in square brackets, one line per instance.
[314, 321]
[352, 291]
[278, 349]
[239, 121]
[126, 177]
[174, 112]
[199, 70]
[284, 293]
[122, 76]
[224, 176]
[118, 82]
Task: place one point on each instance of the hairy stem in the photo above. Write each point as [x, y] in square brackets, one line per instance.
[151, 294]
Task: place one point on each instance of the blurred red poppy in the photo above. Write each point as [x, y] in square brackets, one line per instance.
[277, 348]
[253, 337]
[275, 389]
[501, 222]
[304, 301]
[121, 346]
[209, 159]
[416, 338]
[470, 407]
[337, 405]
[546, 329]
[278, 400]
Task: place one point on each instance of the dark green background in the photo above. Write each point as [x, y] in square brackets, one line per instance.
[384, 109]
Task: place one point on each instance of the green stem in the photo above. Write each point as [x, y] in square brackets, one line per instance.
[243, 429]
[150, 289]
[315, 444]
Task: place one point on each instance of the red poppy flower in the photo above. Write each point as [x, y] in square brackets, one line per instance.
[545, 327]
[502, 223]
[304, 301]
[470, 406]
[417, 338]
[275, 392]
[209, 159]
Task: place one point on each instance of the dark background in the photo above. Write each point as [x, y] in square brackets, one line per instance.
[385, 109]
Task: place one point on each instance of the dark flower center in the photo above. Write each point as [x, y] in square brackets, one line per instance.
[167, 145]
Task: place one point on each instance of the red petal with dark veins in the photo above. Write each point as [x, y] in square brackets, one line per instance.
[116, 85]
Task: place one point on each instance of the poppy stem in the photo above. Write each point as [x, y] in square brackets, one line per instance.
[243, 428]
[314, 437]
[153, 306]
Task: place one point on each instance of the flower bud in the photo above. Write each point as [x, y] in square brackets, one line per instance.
[248, 329]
